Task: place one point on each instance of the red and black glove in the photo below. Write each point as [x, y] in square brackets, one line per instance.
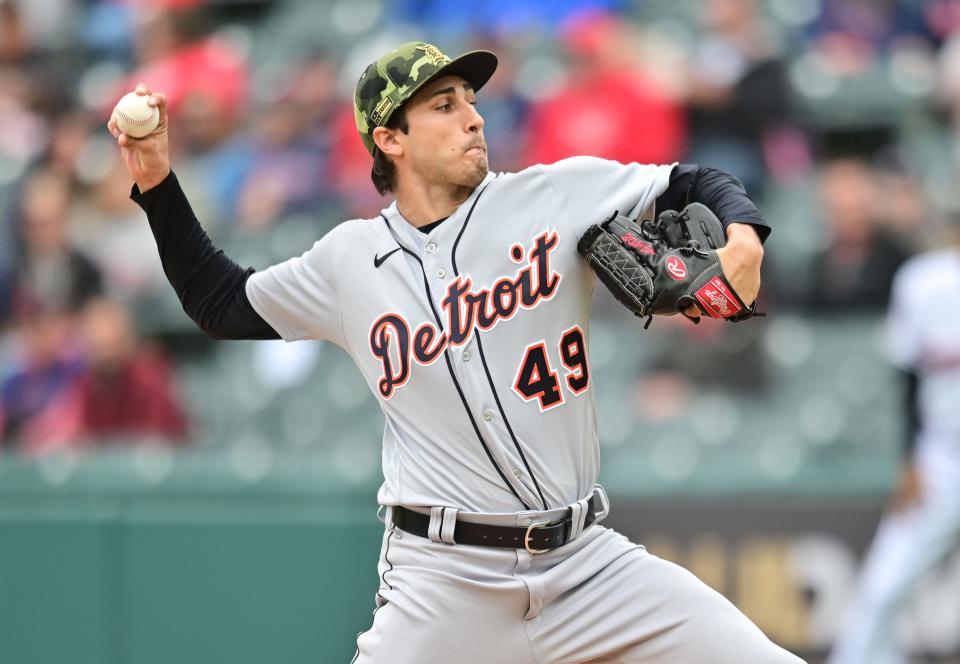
[662, 267]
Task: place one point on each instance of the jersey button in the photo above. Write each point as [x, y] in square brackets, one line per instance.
[431, 247]
[441, 273]
[467, 355]
[488, 414]
[516, 472]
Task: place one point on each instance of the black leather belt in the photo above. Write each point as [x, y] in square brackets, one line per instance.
[535, 538]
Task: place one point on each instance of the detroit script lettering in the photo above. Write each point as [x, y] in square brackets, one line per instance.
[464, 311]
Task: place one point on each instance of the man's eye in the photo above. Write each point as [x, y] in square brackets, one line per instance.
[443, 107]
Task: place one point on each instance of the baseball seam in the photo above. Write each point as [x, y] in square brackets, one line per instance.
[127, 118]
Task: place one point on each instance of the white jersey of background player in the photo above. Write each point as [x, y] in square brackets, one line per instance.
[465, 306]
[923, 524]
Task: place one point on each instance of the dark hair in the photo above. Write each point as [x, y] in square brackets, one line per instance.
[383, 170]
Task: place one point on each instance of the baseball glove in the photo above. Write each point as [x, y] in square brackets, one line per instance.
[661, 267]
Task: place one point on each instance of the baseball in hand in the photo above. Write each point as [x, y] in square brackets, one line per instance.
[135, 117]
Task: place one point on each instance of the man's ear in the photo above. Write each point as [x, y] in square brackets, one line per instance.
[386, 140]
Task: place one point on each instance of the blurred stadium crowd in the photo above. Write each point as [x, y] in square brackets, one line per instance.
[841, 117]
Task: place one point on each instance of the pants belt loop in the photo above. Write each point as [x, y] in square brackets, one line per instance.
[436, 521]
[604, 501]
[578, 516]
[535, 588]
[448, 523]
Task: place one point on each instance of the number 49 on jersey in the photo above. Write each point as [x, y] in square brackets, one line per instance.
[536, 379]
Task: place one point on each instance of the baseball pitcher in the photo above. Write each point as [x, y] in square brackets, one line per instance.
[466, 306]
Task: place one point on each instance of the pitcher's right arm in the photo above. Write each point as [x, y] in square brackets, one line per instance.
[211, 287]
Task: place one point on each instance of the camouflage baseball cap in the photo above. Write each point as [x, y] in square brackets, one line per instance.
[393, 79]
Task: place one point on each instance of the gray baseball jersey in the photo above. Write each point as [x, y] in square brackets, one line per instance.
[473, 337]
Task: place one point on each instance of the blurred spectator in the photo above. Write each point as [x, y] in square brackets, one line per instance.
[24, 132]
[70, 136]
[206, 80]
[125, 391]
[738, 95]
[351, 166]
[109, 228]
[106, 28]
[44, 364]
[290, 172]
[178, 56]
[504, 110]
[942, 16]
[609, 108]
[853, 34]
[218, 162]
[854, 270]
[49, 271]
[906, 211]
[14, 42]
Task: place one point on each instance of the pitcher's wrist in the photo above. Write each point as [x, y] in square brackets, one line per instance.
[145, 183]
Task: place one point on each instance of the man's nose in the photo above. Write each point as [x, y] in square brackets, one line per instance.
[475, 120]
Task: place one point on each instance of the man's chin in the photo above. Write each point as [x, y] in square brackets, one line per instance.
[476, 174]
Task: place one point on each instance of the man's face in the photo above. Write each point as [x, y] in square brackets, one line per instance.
[445, 143]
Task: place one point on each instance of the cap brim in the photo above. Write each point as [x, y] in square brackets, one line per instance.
[475, 66]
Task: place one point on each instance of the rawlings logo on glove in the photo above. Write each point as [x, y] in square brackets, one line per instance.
[662, 267]
[718, 300]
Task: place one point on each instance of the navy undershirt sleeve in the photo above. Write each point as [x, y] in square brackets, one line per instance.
[719, 191]
[211, 287]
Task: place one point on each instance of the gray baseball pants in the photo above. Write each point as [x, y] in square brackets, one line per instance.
[599, 598]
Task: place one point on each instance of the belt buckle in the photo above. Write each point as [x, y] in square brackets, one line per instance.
[530, 529]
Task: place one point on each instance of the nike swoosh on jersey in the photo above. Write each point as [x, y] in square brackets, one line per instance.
[378, 260]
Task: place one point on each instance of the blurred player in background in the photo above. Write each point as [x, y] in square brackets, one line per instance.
[922, 525]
